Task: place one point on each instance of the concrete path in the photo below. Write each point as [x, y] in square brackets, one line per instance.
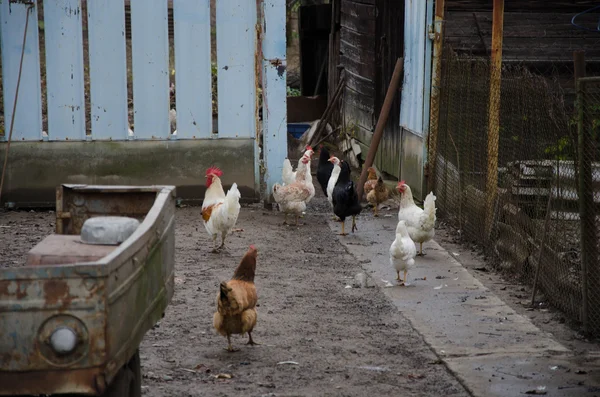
[492, 350]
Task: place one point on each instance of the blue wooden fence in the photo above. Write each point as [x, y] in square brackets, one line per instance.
[239, 61]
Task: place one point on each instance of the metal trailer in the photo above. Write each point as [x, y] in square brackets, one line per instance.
[108, 297]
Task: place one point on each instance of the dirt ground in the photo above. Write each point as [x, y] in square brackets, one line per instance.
[343, 342]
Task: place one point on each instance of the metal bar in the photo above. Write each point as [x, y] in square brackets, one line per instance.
[436, 81]
[381, 121]
[64, 69]
[274, 91]
[108, 69]
[28, 126]
[491, 188]
[191, 21]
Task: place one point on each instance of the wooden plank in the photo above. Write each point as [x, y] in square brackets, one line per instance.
[357, 112]
[539, 6]
[360, 84]
[462, 24]
[64, 69]
[150, 64]
[193, 69]
[28, 118]
[362, 42]
[236, 38]
[355, 66]
[354, 53]
[531, 48]
[359, 10]
[359, 2]
[274, 91]
[108, 69]
[359, 100]
[357, 24]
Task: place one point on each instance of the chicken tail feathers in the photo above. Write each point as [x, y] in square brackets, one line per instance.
[428, 216]
[223, 296]
[233, 194]
[287, 174]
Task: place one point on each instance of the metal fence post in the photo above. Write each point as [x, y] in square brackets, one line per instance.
[587, 216]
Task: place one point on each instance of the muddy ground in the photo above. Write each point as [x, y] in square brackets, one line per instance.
[343, 342]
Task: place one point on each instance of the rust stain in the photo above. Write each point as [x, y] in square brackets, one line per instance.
[21, 290]
[4, 288]
[56, 290]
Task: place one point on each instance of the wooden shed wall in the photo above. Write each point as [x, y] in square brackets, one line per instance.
[371, 39]
[357, 55]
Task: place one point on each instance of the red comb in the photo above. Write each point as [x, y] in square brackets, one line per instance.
[252, 247]
[308, 147]
[401, 183]
[214, 171]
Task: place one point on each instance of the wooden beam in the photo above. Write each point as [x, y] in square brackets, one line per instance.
[491, 189]
[436, 81]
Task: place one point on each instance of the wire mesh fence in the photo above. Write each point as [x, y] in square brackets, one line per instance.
[517, 159]
[588, 98]
[507, 178]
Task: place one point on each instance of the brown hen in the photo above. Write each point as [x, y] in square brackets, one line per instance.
[236, 301]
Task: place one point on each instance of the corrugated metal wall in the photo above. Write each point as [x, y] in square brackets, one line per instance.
[414, 108]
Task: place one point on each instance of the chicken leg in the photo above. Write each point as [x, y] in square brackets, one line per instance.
[250, 341]
[223, 235]
[343, 230]
[296, 220]
[375, 213]
[285, 219]
[398, 275]
[421, 250]
[215, 249]
[354, 223]
[229, 347]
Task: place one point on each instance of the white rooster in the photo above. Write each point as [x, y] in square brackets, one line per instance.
[219, 211]
[288, 175]
[420, 223]
[402, 252]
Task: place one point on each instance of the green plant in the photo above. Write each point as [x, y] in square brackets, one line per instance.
[293, 91]
[561, 150]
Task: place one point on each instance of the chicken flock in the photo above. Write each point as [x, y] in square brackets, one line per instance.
[237, 298]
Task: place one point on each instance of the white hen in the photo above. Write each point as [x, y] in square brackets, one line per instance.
[288, 175]
[420, 223]
[292, 198]
[402, 252]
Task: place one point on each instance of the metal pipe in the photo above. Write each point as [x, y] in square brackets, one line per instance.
[491, 188]
[436, 79]
[380, 127]
[30, 6]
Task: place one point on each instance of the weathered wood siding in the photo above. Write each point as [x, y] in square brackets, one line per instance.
[537, 34]
[357, 55]
[371, 39]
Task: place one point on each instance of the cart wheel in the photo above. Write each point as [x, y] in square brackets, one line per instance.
[136, 370]
[122, 385]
